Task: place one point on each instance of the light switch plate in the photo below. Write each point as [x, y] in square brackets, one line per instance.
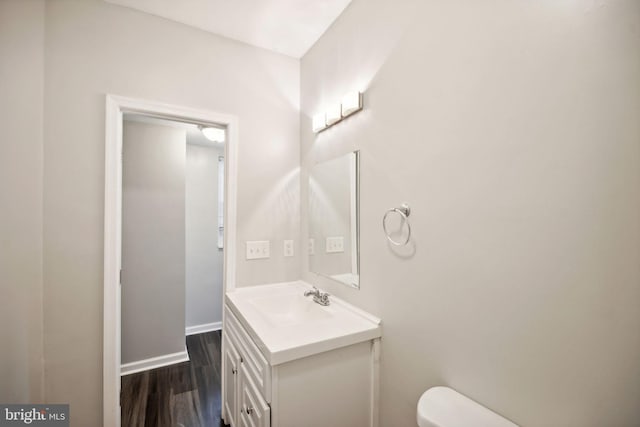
[288, 248]
[335, 244]
[312, 246]
[258, 249]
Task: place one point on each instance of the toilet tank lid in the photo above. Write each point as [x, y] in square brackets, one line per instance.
[445, 407]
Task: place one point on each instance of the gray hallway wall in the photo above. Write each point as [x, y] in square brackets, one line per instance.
[204, 260]
[153, 241]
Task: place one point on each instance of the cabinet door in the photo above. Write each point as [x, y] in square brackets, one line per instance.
[231, 383]
[254, 410]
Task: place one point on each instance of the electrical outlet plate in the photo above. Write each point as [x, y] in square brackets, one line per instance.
[288, 248]
[258, 249]
[335, 244]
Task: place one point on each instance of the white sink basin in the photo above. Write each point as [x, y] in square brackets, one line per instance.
[289, 309]
[286, 325]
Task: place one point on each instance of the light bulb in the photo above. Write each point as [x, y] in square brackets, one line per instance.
[319, 122]
[334, 114]
[351, 103]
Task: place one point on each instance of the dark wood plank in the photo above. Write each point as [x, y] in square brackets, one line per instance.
[135, 389]
[181, 395]
[210, 400]
[158, 410]
[185, 410]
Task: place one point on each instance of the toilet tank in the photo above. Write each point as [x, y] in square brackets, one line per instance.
[445, 407]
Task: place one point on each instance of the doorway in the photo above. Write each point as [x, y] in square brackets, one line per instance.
[129, 116]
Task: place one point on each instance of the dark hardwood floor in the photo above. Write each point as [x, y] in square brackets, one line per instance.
[181, 395]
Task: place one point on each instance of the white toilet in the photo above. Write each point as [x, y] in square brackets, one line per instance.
[445, 407]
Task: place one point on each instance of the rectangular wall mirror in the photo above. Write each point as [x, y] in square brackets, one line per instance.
[334, 243]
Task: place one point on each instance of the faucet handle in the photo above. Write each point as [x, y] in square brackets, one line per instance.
[323, 297]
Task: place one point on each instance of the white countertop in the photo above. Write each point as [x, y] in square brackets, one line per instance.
[288, 326]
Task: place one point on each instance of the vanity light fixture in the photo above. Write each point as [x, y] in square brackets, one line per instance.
[351, 103]
[319, 122]
[334, 114]
[213, 134]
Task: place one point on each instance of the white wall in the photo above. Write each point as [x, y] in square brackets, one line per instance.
[511, 128]
[93, 48]
[153, 241]
[21, 115]
[204, 260]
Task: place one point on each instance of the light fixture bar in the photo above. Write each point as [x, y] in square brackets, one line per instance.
[351, 104]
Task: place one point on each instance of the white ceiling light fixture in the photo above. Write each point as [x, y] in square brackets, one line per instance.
[213, 134]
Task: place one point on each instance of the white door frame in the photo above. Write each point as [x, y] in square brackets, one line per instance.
[115, 107]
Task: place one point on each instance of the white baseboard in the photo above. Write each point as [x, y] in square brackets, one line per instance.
[205, 327]
[154, 362]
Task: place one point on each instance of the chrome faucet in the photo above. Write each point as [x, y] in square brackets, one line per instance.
[319, 297]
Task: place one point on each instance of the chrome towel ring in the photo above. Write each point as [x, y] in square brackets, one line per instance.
[404, 211]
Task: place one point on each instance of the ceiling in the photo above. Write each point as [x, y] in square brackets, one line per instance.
[290, 27]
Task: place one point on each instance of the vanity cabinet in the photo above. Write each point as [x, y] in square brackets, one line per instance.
[337, 387]
[244, 403]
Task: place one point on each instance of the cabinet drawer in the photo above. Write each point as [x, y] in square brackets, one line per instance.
[256, 365]
[254, 410]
